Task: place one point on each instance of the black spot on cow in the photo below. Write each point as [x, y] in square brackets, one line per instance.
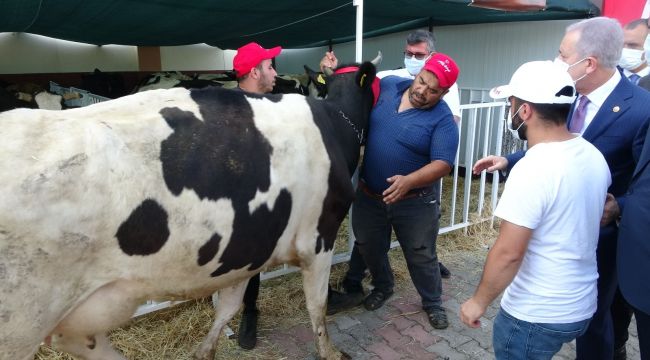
[226, 156]
[208, 251]
[145, 231]
[338, 199]
[340, 193]
[255, 235]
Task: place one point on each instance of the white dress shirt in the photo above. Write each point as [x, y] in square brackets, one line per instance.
[597, 98]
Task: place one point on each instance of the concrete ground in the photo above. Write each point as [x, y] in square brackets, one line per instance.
[400, 330]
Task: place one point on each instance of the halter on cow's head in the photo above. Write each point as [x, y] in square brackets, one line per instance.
[353, 90]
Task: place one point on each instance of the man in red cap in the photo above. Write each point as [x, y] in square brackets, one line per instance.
[411, 145]
[254, 68]
[255, 73]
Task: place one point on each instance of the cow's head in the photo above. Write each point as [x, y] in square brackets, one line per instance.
[318, 82]
[354, 89]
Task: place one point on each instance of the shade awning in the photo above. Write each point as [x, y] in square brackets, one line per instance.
[230, 24]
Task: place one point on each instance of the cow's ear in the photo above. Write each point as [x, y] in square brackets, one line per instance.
[316, 77]
[366, 74]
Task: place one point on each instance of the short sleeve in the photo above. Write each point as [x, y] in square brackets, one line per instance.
[525, 196]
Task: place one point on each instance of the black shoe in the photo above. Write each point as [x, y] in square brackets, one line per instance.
[247, 337]
[437, 317]
[376, 299]
[338, 301]
[444, 272]
[620, 353]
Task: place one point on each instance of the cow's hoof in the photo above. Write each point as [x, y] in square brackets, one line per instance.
[203, 354]
[339, 355]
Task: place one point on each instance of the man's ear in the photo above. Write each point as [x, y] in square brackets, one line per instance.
[526, 112]
[592, 65]
[255, 73]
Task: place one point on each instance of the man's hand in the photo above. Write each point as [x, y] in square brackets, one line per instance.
[490, 163]
[470, 312]
[611, 210]
[400, 186]
[329, 60]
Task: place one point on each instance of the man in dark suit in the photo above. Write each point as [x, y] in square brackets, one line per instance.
[614, 117]
[645, 82]
[634, 249]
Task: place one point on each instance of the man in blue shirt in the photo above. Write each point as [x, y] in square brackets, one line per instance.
[412, 143]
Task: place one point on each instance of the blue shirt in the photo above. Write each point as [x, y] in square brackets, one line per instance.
[400, 143]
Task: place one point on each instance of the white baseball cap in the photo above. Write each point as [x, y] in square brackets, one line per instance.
[539, 82]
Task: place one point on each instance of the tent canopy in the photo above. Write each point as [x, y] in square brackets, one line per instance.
[230, 24]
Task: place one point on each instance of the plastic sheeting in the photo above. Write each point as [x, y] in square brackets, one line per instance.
[230, 24]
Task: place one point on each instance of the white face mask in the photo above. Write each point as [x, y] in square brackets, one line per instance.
[515, 132]
[413, 65]
[646, 47]
[631, 59]
[564, 66]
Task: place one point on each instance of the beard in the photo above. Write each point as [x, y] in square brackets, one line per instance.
[418, 100]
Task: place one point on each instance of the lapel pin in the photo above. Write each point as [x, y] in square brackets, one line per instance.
[616, 109]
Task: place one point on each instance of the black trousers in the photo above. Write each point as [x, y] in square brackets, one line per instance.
[621, 317]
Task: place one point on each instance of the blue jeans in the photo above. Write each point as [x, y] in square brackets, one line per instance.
[515, 339]
[415, 221]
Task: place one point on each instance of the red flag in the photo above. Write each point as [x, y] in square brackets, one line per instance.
[625, 10]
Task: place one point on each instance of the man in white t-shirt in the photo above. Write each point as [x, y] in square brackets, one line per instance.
[419, 48]
[550, 210]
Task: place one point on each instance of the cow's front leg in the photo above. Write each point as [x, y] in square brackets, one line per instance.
[315, 279]
[230, 300]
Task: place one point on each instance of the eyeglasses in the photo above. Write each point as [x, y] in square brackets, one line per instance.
[419, 56]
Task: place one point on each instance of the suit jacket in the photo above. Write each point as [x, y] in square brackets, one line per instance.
[618, 130]
[633, 250]
[644, 82]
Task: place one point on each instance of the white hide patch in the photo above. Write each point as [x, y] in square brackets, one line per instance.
[299, 162]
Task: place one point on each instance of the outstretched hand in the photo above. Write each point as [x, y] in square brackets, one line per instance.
[329, 60]
[490, 163]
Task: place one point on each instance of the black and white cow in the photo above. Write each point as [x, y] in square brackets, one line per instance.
[169, 194]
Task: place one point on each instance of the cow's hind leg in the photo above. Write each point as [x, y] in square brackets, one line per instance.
[315, 280]
[230, 300]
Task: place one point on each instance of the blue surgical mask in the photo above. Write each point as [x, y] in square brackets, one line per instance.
[413, 65]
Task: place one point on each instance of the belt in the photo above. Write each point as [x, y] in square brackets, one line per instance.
[409, 195]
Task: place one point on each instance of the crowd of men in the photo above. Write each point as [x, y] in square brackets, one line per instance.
[571, 254]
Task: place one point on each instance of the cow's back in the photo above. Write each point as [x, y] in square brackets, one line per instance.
[177, 190]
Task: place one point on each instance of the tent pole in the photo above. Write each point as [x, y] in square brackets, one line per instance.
[359, 37]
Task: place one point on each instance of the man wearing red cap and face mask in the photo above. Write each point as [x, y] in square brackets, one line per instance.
[411, 144]
[255, 73]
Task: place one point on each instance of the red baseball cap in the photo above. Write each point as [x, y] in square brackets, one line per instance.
[444, 68]
[250, 55]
